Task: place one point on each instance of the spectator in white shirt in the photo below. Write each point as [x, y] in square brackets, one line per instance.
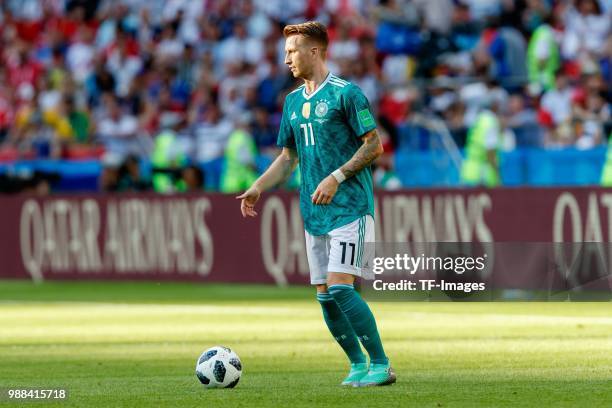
[437, 14]
[117, 129]
[170, 47]
[123, 66]
[344, 47]
[558, 101]
[240, 47]
[212, 135]
[586, 30]
[81, 54]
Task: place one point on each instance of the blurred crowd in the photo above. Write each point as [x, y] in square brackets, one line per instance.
[184, 83]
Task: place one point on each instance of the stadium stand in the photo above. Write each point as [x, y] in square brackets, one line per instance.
[85, 85]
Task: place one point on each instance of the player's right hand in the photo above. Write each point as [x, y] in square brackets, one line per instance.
[249, 198]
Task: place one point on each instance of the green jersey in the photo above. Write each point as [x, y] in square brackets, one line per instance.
[325, 128]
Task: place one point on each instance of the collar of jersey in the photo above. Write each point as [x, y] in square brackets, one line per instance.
[306, 96]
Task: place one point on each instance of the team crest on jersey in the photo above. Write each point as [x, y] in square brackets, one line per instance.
[306, 110]
[321, 108]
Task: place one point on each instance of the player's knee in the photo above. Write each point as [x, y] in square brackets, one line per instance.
[321, 288]
[334, 278]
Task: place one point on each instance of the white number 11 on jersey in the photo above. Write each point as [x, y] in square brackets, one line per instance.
[307, 128]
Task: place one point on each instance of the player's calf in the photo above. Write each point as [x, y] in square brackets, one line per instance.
[340, 328]
[361, 319]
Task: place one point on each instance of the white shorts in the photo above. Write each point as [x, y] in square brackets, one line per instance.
[342, 250]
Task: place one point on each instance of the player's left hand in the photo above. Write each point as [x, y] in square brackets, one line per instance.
[326, 190]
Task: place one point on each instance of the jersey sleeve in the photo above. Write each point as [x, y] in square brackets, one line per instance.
[285, 132]
[358, 112]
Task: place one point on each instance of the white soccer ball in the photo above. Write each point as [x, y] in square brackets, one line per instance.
[219, 367]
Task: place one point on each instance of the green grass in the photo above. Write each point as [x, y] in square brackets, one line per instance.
[135, 345]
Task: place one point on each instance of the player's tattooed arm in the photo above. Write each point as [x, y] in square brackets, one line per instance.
[365, 155]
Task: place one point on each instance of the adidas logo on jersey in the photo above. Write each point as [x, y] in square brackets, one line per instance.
[293, 116]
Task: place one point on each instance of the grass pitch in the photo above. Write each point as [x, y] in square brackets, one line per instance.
[135, 345]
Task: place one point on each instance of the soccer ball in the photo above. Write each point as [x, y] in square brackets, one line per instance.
[219, 367]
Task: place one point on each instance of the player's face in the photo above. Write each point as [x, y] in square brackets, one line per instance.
[299, 56]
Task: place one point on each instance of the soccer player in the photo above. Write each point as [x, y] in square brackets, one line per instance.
[328, 128]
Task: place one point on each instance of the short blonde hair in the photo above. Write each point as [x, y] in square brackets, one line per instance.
[312, 30]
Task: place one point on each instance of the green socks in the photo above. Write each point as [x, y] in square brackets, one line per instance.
[361, 319]
[340, 328]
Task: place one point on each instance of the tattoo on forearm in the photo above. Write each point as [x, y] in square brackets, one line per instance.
[363, 157]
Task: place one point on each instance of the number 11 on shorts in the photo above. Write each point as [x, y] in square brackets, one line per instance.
[352, 245]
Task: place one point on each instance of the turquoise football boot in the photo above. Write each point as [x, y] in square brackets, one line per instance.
[358, 371]
[379, 374]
